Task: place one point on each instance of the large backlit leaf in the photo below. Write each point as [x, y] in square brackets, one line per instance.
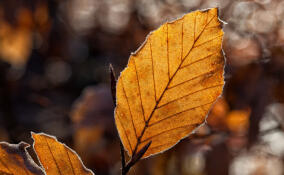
[170, 83]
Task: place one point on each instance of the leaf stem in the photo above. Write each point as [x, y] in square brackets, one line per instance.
[135, 158]
[122, 159]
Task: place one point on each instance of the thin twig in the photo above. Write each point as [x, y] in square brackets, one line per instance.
[122, 155]
[113, 84]
[113, 92]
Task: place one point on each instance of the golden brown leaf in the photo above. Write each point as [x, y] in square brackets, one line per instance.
[57, 158]
[170, 83]
[15, 160]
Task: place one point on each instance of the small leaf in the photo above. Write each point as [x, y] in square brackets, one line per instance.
[170, 83]
[14, 159]
[57, 158]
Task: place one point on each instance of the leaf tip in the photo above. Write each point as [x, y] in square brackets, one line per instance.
[24, 145]
[110, 67]
[33, 133]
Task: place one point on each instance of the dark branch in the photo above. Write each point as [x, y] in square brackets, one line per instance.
[113, 93]
[112, 84]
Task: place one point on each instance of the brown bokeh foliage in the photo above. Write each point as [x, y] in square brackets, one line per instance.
[54, 78]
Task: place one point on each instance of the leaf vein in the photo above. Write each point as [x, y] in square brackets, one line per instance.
[124, 132]
[160, 133]
[170, 143]
[168, 59]
[194, 27]
[181, 54]
[201, 59]
[173, 115]
[69, 160]
[203, 74]
[139, 90]
[153, 74]
[196, 39]
[200, 90]
[128, 107]
[207, 41]
[52, 156]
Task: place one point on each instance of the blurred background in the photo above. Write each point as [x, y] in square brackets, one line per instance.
[54, 78]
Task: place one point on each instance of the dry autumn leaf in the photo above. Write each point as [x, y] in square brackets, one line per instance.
[14, 159]
[170, 83]
[56, 158]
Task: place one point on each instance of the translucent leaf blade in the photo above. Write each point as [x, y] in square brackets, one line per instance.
[57, 158]
[14, 159]
[170, 83]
